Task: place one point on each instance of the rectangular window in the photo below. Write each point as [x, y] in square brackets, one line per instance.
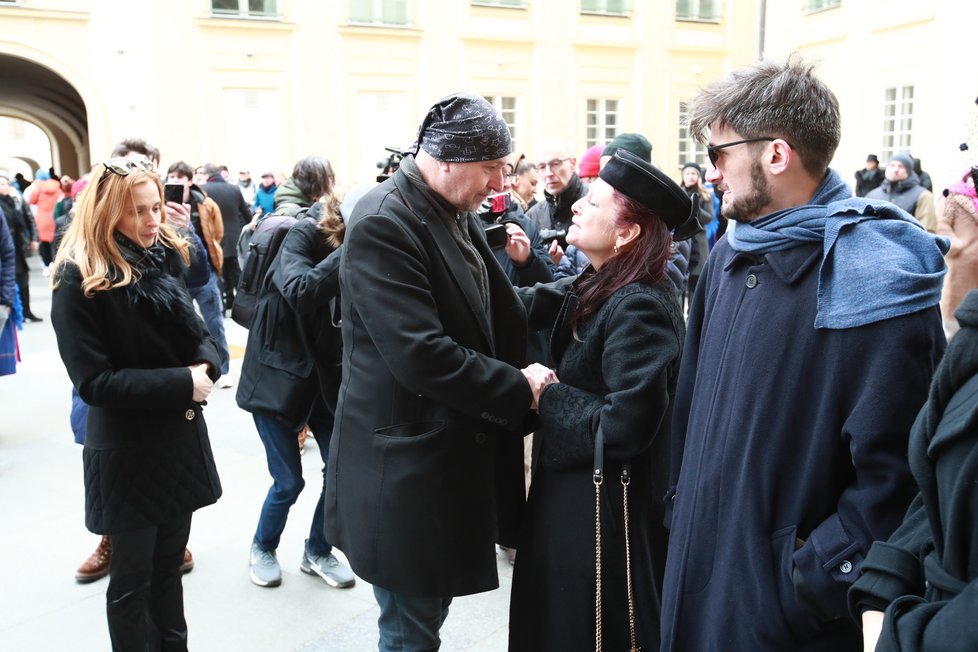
[499, 3]
[897, 120]
[245, 8]
[611, 7]
[603, 118]
[689, 149]
[379, 12]
[704, 10]
[507, 109]
[815, 6]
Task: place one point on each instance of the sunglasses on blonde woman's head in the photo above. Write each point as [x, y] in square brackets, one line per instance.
[123, 166]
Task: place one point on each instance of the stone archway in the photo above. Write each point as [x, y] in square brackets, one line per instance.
[37, 94]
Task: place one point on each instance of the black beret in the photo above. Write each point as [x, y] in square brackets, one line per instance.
[649, 186]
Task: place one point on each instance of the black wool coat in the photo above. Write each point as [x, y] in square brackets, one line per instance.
[926, 575]
[235, 212]
[617, 373]
[426, 461]
[147, 456]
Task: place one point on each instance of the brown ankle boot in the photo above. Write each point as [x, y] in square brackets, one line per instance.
[188, 561]
[97, 565]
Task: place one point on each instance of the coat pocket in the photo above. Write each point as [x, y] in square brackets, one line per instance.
[798, 622]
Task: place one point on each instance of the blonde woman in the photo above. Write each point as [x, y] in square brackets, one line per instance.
[140, 356]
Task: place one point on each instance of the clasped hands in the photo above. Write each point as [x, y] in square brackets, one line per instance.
[538, 376]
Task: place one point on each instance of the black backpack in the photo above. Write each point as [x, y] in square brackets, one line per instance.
[262, 250]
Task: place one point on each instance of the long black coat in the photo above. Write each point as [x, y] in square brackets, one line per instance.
[619, 373]
[789, 444]
[147, 455]
[427, 442]
[235, 212]
[926, 574]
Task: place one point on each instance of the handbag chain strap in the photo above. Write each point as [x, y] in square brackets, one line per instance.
[626, 479]
[598, 480]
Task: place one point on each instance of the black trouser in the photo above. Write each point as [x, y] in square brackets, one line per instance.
[46, 249]
[144, 601]
[22, 278]
[231, 273]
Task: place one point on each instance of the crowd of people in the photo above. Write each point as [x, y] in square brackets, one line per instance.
[712, 414]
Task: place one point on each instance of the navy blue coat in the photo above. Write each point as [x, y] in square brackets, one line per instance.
[790, 446]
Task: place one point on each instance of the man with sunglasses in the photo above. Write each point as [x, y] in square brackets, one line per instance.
[812, 337]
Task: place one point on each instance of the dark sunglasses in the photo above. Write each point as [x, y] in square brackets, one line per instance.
[123, 166]
[711, 150]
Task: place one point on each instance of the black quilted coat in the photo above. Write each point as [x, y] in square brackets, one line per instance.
[147, 456]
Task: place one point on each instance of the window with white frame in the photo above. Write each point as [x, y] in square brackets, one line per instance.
[499, 3]
[897, 120]
[690, 150]
[379, 12]
[612, 7]
[701, 10]
[506, 105]
[603, 118]
[814, 6]
[245, 8]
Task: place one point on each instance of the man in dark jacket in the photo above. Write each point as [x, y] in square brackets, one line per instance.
[801, 375]
[236, 214]
[24, 232]
[902, 187]
[426, 461]
[557, 168]
[870, 177]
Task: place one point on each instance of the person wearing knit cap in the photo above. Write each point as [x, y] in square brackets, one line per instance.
[637, 144]
[692, 184]
[590, 164]
[617, 339]
[902, 187]
[426, 463]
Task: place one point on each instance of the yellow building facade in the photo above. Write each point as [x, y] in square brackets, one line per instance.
[258, 84]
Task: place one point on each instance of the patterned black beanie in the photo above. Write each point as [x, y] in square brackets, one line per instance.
[463, 128]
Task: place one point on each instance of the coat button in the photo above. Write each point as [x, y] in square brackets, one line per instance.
[480, 437]
[751, 281]
[846, 566]
[190, 415]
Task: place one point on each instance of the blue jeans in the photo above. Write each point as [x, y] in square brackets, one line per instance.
[208, 298]
[409, 623]
[285, 467]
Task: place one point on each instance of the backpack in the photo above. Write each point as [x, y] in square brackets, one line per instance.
[262, 250]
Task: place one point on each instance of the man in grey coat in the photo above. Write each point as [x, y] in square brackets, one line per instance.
[426, 460]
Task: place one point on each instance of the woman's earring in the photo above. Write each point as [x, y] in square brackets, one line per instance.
[616, 249]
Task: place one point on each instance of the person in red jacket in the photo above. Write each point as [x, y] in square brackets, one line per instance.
[45, 194]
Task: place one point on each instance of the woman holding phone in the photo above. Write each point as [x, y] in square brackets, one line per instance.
[141, 358]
